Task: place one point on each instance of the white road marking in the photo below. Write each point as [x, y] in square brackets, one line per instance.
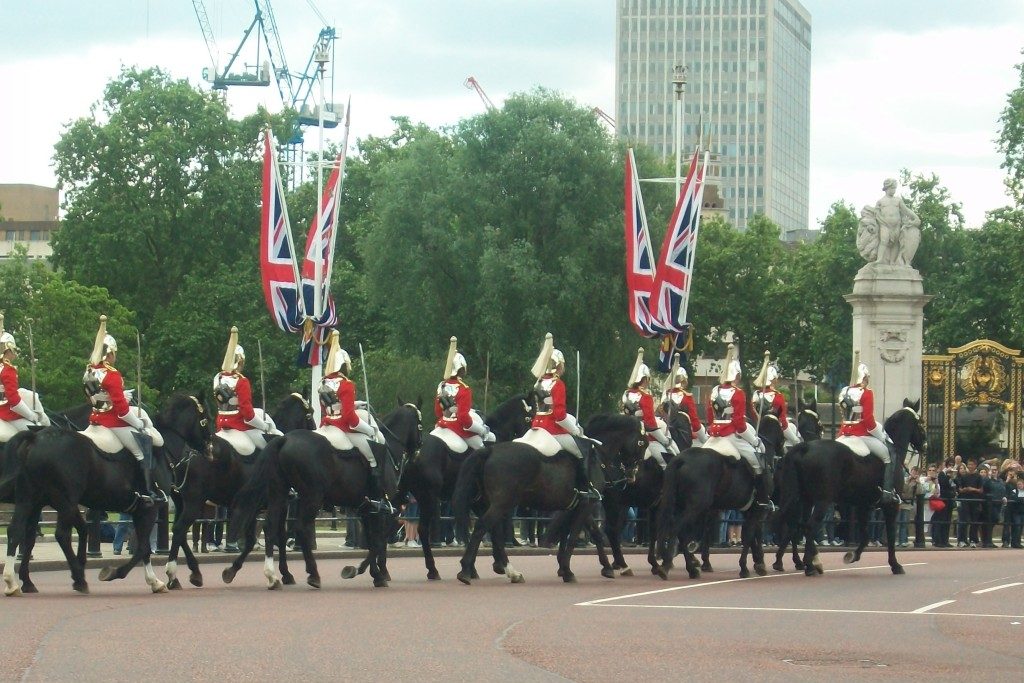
[929, 608]
[818, 611]
[691, 586]
[996, 588]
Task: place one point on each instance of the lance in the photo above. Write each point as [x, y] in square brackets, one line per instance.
[32, 366]
[138, 371]
[487, 380]
[577, 384]
[263, 386]
[366, 382]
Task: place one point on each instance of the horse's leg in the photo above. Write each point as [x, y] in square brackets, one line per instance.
[890, 512]
[16, 532]
[304, 529]
[182, 520]
[615, 520]
[491, 518]
[652, 544]
[284, 530]
[502, 565]
[757, 538]
[248, 536]
[428, 516]
[600, 543]
[705, 546]
[863, 515]
[374, 527]
[565, 556]
[812, 563]
[82, 529]
[27, 544]
[66, 514]
[273, 529]
[144, 521]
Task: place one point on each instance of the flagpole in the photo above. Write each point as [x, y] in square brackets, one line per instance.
[696, 229]
[318, 269]
[679, 84]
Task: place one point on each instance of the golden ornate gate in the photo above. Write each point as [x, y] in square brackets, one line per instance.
[981, 373]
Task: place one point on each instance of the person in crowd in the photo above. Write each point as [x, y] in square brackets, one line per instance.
[1015, 506]
[995, 495]
[941, 519]
[929, 489]
[971, 493]
[911, 487]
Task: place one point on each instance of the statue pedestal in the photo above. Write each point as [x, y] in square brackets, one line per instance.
[888, 315]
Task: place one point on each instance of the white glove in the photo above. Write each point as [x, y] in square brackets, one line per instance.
[569, 424]
[360, 405]
[22, 409]
[258, 423]
[660, 437]
[750, 437]
[489, 437]
[673, 447]
[366, 428]
[133, 420]
[879, 433]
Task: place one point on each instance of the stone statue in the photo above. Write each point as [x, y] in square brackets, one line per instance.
[889, 231]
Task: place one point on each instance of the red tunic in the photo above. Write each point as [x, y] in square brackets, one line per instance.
[10, 398]
[549, 421]
[778, 406]
[867, 417]
[462, 420]
[689, 407]
[347, 420]
[113, 384]
[738, 424]
[237, 420]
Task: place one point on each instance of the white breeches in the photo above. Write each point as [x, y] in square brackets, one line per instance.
[127, 439]
[877, 448]
[362, 444]
[256, 436]
[746, 452]
[568, 444]
[474, 442]
[656, 452]
[701, 437]
[792, 437]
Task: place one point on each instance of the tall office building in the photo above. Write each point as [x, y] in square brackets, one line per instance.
[748, 80]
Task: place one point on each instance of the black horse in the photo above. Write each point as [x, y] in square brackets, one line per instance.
[320, 474]
[808, 426]
[701, 482]
[430, 475]
[60, 468]
[215, 473]
[508, 474]
[818, 474]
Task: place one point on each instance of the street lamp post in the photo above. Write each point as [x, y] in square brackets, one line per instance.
[679, 85]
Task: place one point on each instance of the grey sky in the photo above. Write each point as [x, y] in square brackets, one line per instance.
[916, 83]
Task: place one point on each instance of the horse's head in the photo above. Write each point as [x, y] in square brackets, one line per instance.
[769, 429]
[403, 429]
[905, 428]
[678, 421]
[186, 416]
[294, 412]
[808, 424]
[622, 437]
[511, 419]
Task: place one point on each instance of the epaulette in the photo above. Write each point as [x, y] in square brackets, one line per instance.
[461, 383]
[7, 362]
[108, 366]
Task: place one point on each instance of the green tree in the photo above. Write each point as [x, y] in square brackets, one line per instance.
[1011, 138]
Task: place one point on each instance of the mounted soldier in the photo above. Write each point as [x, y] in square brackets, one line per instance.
[729, 432]
[768, 401]
[677, 394]
[104, 386]
[638, 401]
[339, 413]
[862, 433]
[19, 408]
[552, 415]
[233, 393]
[453, 405]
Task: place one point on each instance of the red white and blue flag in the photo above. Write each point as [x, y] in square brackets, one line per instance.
[639, 256]
[671, 292]
[278, 270]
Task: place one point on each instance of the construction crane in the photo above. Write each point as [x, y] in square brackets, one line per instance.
[472, 84]
[257, 74]
[604, 116]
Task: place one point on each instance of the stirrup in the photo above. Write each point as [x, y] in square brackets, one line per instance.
[887, 496]
[376, 507]
[590, 494]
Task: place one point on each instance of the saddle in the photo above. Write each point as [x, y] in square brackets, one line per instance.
[722, 445]
[7, 431]
[336, 437]
[542, 440]
[107, 445]
[455, 443]
[855, 444]
[240, 442]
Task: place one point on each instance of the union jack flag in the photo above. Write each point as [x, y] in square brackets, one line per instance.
[278, 270]
[671, 292]
[639, 256]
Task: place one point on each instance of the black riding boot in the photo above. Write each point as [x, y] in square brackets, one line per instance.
[375, 491]
[763, 490]
[583, 485]
[143, 479]
[889, 493]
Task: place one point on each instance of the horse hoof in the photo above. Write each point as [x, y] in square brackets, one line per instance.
[760, 569]
[628, 571]
[276, 585]
[29, 587]
[313, 581]
[744, 573]
[569, 577]
[13, 592]
[618, 567]
[518, 578]
[174, 584]
[473, 573]
[498, 569]
[228, 575]
[433, 575]
[818, 568]
[560, 572]
[608, 573]
[848, 557]
[809, 570]
[159, 587]
[81, 587]
[898, 569]
[706, 566]
[694, 573]
[288, 579]
[799, 564]
[108, 574]
[660, 573]
[196, 579]
[656, 570]
[464, 577]
[779, 567]
[349, 572]
[380, 583]
[387, 575]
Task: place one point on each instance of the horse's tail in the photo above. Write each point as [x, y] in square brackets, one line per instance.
[15, 454]
[669, 497]
[789, 489]
[252, 497]
[468, 485]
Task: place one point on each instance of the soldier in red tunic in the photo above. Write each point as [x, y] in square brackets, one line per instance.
[857, 405]
[453, 404]
[105, 388]
[233, 393]
[768, 401]
[553, 416]
[727, 415]
[15, 413]
[678, 395]
[639, 402]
